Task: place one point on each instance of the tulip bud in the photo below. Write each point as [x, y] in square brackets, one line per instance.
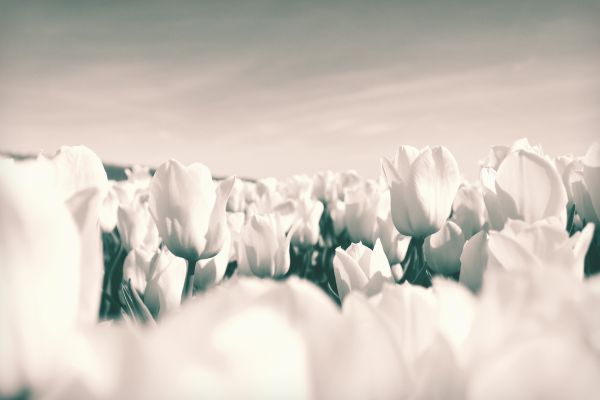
[266, 248]
[422, 189]
[308, 230]
[188, 210]
[443, 249]
[360, 268]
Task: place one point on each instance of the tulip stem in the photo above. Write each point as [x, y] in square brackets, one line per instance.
[415, 268]
[188, 285]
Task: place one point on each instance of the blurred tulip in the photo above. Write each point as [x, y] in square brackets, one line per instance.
[582, 198]
[542, 245]
[591, 174]
[362, 209]
[165, 283]
[360, 268]
[337, 212]
[189, 211]
[137, 227]
[40, 285]
[536, 369]
[298, 187]
[347, 180]
[473, 260]
[108, 210]
[235, 222]
[237, 198]
[139, 176]
[266, 248]
[84, 207]
[307, 231]
[371, 359]
[468, 209]
[211, 271]
[136, 268]
[443, 249]
[77, 168]
[325, 186]
[526, 187]
[422, 187]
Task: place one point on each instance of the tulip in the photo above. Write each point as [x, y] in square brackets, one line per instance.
[136, 227]
[582, 198]
[422, 188]
[108, 210]
[166, 279]
[40, 284]
[347, 180]
[77, 168]
[136, 268]
[591, 175]
[526, 187]
[307, 230]
[84, 206]
[325, 186]
[360, 268]
[235, 222]
[337, 212]
[543, 245]
[298, 187]
[189, 212]
[468, 209]
[443, 249]
[265, 248]
[237, 198]
[362, 209]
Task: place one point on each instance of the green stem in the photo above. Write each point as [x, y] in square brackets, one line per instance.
[188, 285]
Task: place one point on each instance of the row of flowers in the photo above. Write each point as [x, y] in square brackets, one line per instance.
[417, 284]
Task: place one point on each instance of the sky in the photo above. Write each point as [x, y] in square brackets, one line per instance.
[275, 88]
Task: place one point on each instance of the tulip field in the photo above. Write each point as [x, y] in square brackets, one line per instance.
[418, 284]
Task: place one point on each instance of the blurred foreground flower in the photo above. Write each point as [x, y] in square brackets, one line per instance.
[40, 284]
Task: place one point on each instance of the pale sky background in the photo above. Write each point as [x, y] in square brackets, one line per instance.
[272, 88]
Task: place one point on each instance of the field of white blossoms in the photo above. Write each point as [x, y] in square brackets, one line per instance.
[419, 284]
